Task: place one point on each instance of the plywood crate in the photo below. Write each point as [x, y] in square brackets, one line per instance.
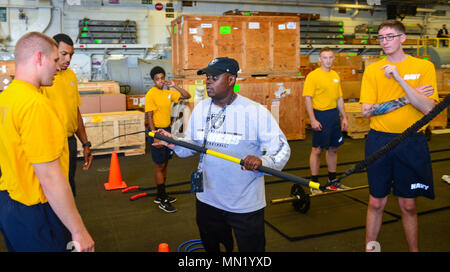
[99, 87]
[441, 120]
[280, 95]
[351, 89]
[347, 72]
[348, 59]
[358, 125]
[260, 44]
[136, 102]
[7, 67]
[443, 81]
[101, 127]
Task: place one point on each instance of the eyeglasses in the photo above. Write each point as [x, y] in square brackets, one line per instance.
[388, 37]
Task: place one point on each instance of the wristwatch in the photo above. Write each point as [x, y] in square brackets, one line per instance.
[88, 144]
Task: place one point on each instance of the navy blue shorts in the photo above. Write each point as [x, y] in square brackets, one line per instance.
[160, 155]
[331, 134]
[31, 228]
[406, 168]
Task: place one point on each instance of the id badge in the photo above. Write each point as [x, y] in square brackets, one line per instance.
[197, 182]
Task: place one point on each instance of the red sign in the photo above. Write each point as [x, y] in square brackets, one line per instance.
[159, 6]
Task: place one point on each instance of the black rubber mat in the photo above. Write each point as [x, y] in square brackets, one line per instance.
[327, 215]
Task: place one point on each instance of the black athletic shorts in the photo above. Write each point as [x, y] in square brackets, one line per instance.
[331, 134]
[406, 168]
[160, 155]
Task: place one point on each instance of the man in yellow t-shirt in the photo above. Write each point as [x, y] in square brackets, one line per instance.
[158, 108]
[66, 98]
[395, 93]
[37, 209]
[323, 99]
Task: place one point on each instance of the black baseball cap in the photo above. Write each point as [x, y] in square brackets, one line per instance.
[219, 66]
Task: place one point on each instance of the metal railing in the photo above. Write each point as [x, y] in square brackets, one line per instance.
[435, 42]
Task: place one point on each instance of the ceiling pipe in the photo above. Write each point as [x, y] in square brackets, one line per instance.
[296, 3]
[308, 4]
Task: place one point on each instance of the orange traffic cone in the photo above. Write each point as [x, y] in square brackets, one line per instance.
[163, 247]
[115, 177]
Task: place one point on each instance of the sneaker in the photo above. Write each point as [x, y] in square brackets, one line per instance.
[171, 199]
[336, 186]
[166, 206]
[159, 199]
[446, 178]
[315, 191]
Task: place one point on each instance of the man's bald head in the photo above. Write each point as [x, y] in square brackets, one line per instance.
[31, 43]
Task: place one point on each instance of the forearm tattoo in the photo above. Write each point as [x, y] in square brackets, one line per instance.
[385, 107]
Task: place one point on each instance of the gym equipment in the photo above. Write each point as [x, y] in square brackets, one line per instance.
[301, 201]
[261, 168]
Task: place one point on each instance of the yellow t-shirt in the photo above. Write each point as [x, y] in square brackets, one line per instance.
[30, 132]
[159, 101]
[324, 88]
[377, 88]
[66, 98]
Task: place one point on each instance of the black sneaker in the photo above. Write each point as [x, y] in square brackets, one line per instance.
[166, 206]
[159, 199]
[171, 199]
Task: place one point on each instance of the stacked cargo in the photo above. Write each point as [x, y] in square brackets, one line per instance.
[105, 117]
[322, 32]
[7, 71]
[267, 49]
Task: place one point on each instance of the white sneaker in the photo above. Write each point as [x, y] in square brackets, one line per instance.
[336, 186]
[446, 178]
[315, 191]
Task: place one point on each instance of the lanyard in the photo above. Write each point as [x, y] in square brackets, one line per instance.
[208, 126]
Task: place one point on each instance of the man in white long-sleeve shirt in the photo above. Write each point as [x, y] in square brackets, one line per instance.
[233, 198]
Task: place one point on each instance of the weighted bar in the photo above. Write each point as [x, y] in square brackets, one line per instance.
[261, 168]
[295, 198]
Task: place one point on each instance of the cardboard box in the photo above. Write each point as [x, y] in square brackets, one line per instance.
[90, 104]
[8, 67]
[113, 102]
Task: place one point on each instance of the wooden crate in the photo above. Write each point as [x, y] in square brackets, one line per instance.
[136, 102]
[350, 89]
[99, 87]
[358, 125]
[443, 81]
[101, 127]
[441, 120]
[281, 95]
[260, 44]
[347, 72]
[348, 59]
[7, 67]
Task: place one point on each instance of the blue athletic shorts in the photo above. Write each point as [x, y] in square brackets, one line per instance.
[160, 155]
[406, 168]
[31, 228]
[331, 134]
